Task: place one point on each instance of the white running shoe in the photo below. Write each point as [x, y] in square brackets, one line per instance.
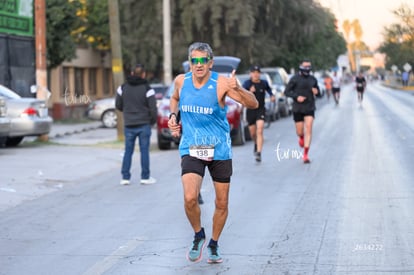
[151, 180]
[125, 182]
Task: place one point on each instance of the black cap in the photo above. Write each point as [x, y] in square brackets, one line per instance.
[255, 68]
[138, 70]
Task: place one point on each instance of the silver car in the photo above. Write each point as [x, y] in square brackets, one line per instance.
[103, 110]
[4, 120]
[280, 79]
[28, 116]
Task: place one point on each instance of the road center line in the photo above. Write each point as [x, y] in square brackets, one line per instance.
[109, 261]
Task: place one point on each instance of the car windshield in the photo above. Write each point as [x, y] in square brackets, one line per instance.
[222, 68]
[6, 92]
[276, 78]
[221, 64]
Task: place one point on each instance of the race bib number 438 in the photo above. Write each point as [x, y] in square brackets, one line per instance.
[204, 152]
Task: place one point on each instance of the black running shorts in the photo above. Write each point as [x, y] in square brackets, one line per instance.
[254, 115]
[298, 117]
[220, 170]
[336, 90]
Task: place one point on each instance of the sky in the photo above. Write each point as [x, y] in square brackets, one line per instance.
[373, 15]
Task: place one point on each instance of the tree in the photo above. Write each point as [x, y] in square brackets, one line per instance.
[61, 20]
[312, 33]
[141, 30]
[269, 32]
[74, 23]
[272, 33]
[398, 42]
[96, 24]
[357, 47]
[347, 27]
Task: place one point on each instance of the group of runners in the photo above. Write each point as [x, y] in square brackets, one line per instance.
[333, 86]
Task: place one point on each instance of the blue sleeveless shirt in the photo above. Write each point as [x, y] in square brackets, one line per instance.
[204, 121]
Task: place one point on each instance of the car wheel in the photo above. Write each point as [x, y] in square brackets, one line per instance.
[3, 141]
[109, 119]
[13, 141]
[277, 115]
[284, 112]
[163, 144]
[239, 137]
[246, 131]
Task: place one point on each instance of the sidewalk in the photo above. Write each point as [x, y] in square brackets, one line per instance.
[397, 86]
[88, 133]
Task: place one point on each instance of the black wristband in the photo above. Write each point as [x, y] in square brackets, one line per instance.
[172, 114]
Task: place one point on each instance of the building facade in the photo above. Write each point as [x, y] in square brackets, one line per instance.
[76, 83]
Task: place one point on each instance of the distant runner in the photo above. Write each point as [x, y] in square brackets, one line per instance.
[360, 84]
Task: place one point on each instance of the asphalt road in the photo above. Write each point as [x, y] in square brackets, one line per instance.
[347, 212]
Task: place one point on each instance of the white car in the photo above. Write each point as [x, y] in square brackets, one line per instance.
[104, 109]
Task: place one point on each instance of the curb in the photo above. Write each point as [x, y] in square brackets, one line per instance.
[73, 132]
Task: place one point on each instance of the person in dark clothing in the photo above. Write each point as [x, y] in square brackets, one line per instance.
[360, 83]
[336, 87]
[136, 100]
[256, 117]
[303, 87]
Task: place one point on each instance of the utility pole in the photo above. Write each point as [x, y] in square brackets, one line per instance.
[41, 50]
[167, 41]
[116, 50]
[40, 41]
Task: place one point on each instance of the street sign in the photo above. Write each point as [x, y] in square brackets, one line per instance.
[16, 17]
[394, 68]
[407, 67]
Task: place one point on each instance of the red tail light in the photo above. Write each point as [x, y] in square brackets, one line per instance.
[30, 112]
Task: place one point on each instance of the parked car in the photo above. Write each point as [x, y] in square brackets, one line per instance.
[160, 90]
[28, 116]
[223, 65]
[104, 109]
[322, 88]
[4, 120]
[280, 79]
[272, 108]
[164, 137]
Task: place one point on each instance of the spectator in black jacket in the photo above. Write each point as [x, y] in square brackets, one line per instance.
[303, 87]
[136, 100]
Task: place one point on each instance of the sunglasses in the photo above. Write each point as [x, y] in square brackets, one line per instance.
[201, 60]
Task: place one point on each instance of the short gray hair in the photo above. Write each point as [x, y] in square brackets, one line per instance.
[202, 47]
